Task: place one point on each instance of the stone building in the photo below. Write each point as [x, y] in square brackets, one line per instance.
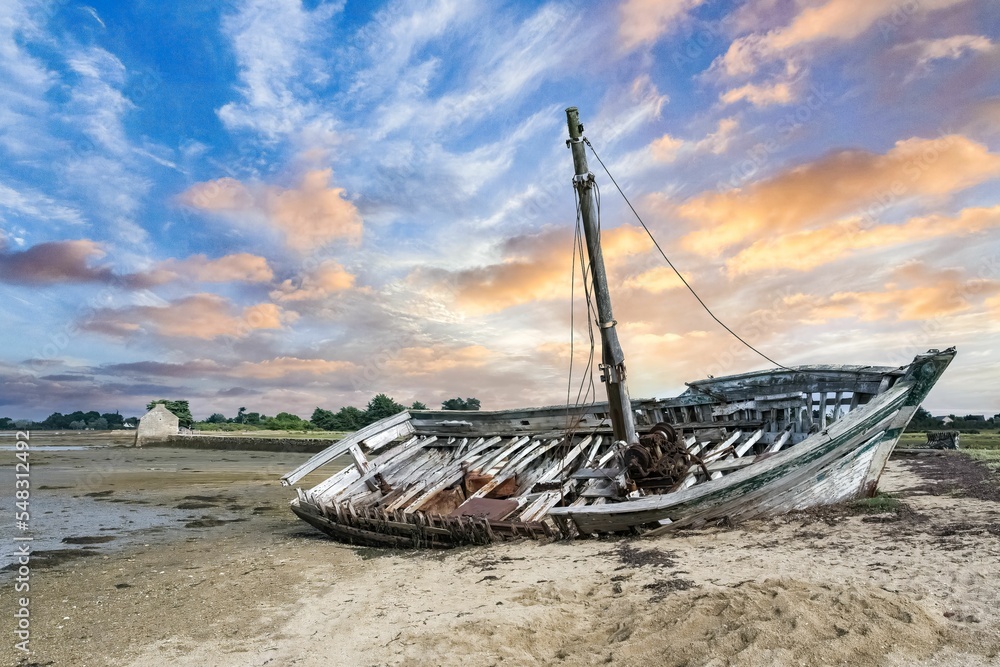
[157, 424]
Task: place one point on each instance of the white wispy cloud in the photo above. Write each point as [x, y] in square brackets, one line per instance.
[274, 42]
[30, 203]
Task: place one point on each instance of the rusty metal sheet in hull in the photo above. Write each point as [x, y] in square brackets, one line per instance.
[488, 508]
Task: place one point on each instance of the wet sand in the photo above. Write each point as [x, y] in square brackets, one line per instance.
[227, 576]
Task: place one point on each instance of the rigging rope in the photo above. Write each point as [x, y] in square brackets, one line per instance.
[671, 264]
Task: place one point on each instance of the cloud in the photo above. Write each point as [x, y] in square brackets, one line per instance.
[925, 52]
[915, 292]
[281, 367]
[266, 369]
[760, 95]
[717, 142]
[841, 183]
[276, 49]
[72, 262]
[314, 214]
[644, 21]
[309, 216]
[655, 281]
[239, 267]
[435, 359]
[953, 48]
[666, 148]
[34, 205]
[535, 267]
[804, 250]
[202, 316]
[832, 21]
[329, 278]
[54, 262]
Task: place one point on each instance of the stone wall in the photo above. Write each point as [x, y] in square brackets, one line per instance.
[248, 444]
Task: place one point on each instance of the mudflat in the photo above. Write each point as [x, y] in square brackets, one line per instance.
[212, 569]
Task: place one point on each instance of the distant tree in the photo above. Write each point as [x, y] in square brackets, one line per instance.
[251, 418]
[114, 419]
[349, 418]
[132, 421]
[241, 415]
[461, 404]
[922, 419]
[56, 420]
[323, 419]
[78, 425]
[99, 424]
[286, 421]
[217, 418]
[180, 408]
[417, 405]
[23, 424]
[6, 423]
[380, 407]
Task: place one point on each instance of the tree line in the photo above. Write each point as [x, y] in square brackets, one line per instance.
[347, 418]
[77, 421]
[923, 420]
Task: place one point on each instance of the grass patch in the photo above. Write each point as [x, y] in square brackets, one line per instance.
[990, 457]
[880, 503]
[988, 440]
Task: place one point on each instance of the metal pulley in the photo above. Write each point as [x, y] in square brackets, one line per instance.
[658, 460]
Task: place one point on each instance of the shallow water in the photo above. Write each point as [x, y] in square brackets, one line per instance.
[80, 495]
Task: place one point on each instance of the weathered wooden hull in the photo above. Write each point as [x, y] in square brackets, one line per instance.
[764, 443]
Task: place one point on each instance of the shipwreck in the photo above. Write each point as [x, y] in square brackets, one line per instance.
[727, 448]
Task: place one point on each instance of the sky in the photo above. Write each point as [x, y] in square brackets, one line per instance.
[283, 205]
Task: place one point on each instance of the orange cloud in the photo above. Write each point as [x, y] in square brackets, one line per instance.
[665, 148]
[284, 366]
[643, 21]
[534, 268]
[842, 183]
[833, 20]
[929, 294]
[327, 279]
[717, 142]
[762, 95]
[314, 214]
[808, 249]
[993, 303]
[203, 316]
[655, 281]
[309, 216]
[427, 360]
[240, 267]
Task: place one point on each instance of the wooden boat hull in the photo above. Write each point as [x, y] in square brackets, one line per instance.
[446, 479]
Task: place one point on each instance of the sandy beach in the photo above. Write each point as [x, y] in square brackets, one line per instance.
[214, 570]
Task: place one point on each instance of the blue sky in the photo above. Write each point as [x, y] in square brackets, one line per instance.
[284, 205]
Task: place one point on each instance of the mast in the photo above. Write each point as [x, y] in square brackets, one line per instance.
[613, 366]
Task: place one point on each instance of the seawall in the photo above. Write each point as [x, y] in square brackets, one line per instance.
[248, 444]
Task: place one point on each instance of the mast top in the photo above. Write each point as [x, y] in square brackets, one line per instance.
[575, 126]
